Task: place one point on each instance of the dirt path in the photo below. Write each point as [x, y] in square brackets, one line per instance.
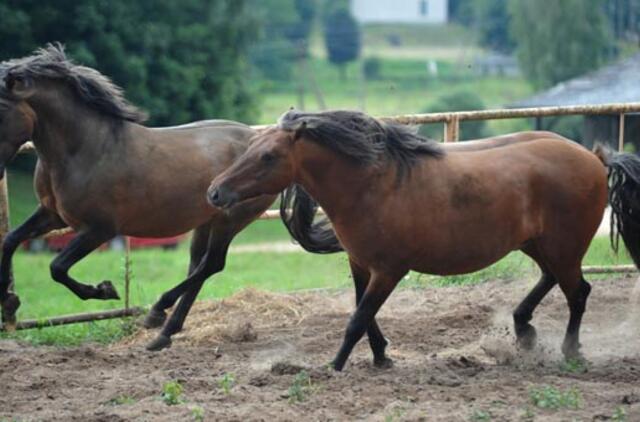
[453, 351]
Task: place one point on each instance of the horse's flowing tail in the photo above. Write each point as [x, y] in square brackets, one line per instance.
[624, 198]
[298, 212]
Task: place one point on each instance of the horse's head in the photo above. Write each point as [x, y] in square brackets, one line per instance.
[17, 120]
[266, 168]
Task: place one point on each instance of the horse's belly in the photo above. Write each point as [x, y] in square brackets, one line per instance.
[457, 263]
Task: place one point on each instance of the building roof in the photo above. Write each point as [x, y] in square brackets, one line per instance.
[616, 83]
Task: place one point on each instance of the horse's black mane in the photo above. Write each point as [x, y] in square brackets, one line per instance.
[95, 89]
[360, 137]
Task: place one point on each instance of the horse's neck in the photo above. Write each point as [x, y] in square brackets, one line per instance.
[339, 186]
[66, 129]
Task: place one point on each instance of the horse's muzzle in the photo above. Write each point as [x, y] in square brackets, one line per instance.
[221, 198]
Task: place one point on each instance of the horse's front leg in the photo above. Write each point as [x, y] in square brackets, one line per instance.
[83, 244]
[378, 290]
[42, 221]
[212, 262]
[377, 341]
[157, 314]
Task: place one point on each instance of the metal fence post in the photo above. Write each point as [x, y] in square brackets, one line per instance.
[621, 133]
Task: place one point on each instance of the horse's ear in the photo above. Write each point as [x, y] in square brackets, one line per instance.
[19, 86]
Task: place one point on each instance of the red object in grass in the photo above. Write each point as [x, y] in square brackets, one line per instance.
[58, 243]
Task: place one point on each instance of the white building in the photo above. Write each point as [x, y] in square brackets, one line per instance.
[400, 11]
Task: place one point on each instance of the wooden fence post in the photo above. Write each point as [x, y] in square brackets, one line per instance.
[4, 229]
[452, 129]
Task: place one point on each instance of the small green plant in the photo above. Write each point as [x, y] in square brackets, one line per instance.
[574, 366]
[619, 415]
[197, 413]
[121, 400]
[301, 387]
[172, 393]
[548, 397]
[527, 415]
[226, 383]
[480, 416]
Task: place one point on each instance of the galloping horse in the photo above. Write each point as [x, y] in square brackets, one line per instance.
[398, 202]
[102, 173]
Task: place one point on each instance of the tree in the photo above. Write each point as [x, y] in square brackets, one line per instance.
[491, 18]
[286, 25]
[181, 61]
[559, 40]
[342, 37]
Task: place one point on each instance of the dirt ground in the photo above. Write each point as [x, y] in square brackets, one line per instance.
[453, 349]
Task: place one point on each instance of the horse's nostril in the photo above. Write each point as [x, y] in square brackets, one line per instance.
[215, 195]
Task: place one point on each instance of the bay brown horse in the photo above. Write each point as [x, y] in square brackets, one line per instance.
[398, 202]
[103, 173]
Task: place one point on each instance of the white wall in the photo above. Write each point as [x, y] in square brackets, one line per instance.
[396, 11]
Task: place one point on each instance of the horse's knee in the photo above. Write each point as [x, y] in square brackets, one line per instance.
[579, 302]
[521, 316]
[57, 271]
[216, 266]
[10, 244]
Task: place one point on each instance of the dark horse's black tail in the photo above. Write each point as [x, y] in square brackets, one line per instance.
[298, 212]
[624, 198]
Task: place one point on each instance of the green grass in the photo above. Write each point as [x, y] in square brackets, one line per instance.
[22, 199]
[549, 397]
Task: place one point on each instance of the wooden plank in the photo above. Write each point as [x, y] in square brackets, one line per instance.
[609, 269]
[76, 318]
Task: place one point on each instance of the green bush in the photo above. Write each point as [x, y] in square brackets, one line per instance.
[457, 101]
[371, 68]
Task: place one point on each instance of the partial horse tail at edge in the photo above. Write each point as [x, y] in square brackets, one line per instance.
[298, 211]
[624, 198]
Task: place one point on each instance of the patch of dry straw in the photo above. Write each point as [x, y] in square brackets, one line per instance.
[240, 317]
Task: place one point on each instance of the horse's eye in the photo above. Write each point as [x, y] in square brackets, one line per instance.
[268, 157]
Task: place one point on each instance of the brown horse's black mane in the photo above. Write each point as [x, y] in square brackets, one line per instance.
[360, 137]
[93, 88]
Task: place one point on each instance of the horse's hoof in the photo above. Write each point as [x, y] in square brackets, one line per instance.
[160, 342]
[106, 291]
[154, 319]
[572, 352]
[528, 338]
[335, 366]
[9, 308]
[383, 363]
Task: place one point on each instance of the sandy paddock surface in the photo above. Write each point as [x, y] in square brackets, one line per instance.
[453, 348]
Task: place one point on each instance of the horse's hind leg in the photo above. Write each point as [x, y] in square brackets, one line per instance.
[563, 261]
[40, 222]
[576, 290]
[157, 315]
[377, 341]
[525, 332]
[82, 245]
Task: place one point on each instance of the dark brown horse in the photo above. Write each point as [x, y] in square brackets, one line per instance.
[398, 202]
[103, 173]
